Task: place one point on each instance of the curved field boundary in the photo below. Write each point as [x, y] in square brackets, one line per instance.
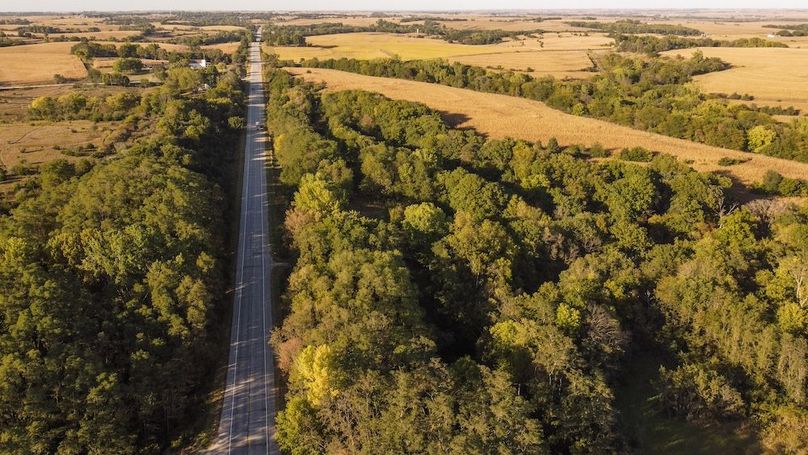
[502, 116]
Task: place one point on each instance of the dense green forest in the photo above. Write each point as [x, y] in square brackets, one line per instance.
[457, 294]
[295, 35]
[113, 275]
[647, 93]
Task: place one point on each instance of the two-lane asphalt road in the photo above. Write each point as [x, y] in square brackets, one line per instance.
[246, 425]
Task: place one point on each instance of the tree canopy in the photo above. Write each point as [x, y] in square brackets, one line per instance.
[487, 294]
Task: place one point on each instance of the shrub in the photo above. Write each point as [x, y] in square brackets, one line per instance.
[774, 183]
[727, 161]
[115, 79]
[598, 151]
[699, 393]
[23, 168]
[639, 154]
[128, 65]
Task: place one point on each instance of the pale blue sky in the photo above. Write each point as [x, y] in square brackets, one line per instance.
[78, 5]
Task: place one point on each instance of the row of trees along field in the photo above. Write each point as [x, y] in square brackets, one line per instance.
[646, 93]
[650, 44]
[455, 294]
[87, 50]
[790, 29]
[112, 277]
[295, 35]
[632, 26]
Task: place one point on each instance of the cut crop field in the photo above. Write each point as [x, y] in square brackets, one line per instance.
[561, 64]
[37, 63]
[378, 45]
[731, 28]
[227, 48]
[774, 76]
[561, 55]
[502, 116]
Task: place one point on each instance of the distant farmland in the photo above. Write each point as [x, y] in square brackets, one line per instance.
[772, 76]
[560, 55]
[500, 116]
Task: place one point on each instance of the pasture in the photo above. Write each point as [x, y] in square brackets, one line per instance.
[37, 63]
[34, 142]
[14, 103]
[502, 116]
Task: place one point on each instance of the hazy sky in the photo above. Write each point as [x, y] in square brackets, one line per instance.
[78, 5]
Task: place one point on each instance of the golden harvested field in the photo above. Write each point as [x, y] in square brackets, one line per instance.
[731, 30]
[562, 55]
[378, 45]
[724, 29]
[561, 64]
[227, 48]
[505, 116]
[37, 63]
[774, 76]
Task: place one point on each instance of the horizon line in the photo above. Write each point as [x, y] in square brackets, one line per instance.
[358, 11]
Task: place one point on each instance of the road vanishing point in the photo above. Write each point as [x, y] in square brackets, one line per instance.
[247, 423]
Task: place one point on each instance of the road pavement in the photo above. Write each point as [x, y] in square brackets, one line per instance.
[246, 426]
